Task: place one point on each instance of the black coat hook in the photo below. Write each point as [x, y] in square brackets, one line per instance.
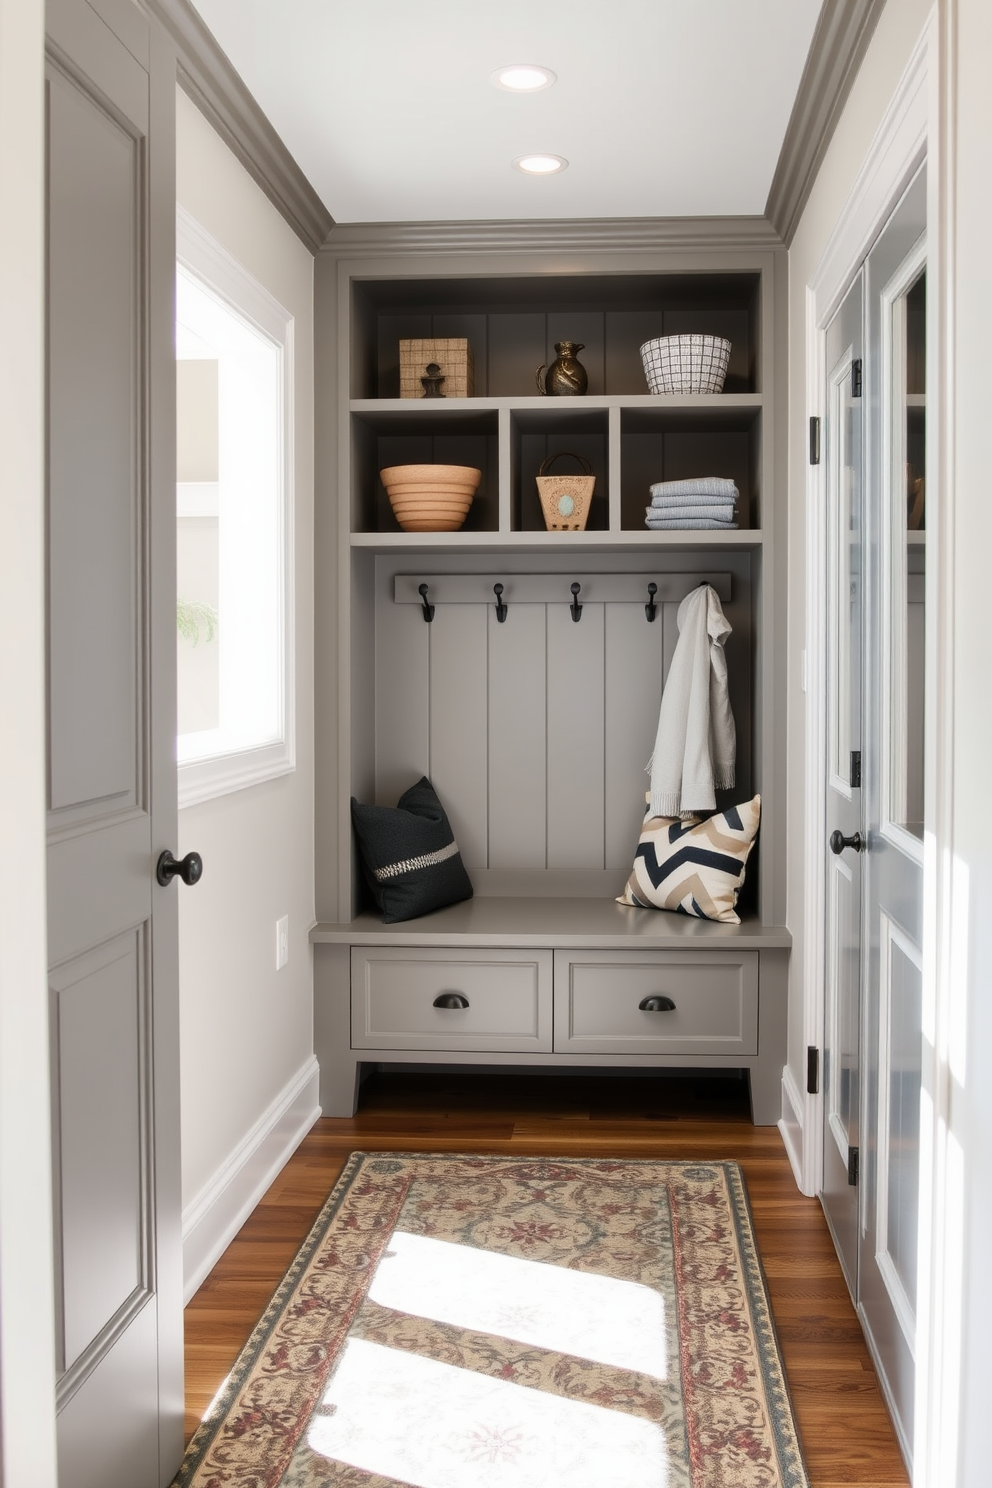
[500, 606]
[575, 607]
[651, 609]
[428, 608]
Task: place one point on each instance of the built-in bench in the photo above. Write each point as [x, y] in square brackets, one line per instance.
[550, 982]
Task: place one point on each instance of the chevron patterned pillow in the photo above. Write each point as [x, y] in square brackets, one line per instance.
[694, 867]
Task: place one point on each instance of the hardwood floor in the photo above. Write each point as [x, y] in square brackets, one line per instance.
[846, 1432]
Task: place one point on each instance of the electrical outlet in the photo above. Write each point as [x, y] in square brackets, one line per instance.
[282, 942]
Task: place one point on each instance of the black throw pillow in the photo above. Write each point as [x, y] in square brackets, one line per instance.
[410, 855]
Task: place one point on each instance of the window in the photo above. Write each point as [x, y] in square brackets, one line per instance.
[233, 523]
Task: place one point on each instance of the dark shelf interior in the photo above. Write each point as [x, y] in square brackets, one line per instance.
[570, 430]
[682, 444]
[512, 325]
[448, 439]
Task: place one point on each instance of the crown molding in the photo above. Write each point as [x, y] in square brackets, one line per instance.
[840, 41]
[207, 76]
[547, 236]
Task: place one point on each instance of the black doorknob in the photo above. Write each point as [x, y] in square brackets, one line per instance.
[838, 842]
[189, 868]
[451, 1000]
[656, 1005]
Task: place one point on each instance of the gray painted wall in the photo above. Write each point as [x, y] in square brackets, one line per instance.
[247, 1028]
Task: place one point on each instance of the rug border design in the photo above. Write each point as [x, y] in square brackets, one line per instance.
[791, 1464]
[204, 1434]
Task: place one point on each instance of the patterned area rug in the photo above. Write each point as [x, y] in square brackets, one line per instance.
[492, 1322]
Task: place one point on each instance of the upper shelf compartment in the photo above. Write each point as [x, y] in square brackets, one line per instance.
[512, 325]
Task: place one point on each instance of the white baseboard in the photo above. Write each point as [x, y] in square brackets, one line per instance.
[219, 1210]
[881, 1364]
[791, 1126]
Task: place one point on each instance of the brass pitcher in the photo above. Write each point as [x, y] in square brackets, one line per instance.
[566, 377]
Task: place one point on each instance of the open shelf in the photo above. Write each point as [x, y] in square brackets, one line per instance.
[718, 403]
[629, 442]
[512, 323]
[672, 540]
[679, 443]
[381, 437]
[536, 434]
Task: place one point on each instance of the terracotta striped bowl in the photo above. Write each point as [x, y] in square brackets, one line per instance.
[430, 498]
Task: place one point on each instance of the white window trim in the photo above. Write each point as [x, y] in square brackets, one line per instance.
[219, 775]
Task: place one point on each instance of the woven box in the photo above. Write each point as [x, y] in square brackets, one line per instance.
[453, 356]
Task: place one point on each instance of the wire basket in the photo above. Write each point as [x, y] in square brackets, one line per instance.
[565, 499]
[686, 364]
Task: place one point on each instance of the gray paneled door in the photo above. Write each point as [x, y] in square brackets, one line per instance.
[111, 770]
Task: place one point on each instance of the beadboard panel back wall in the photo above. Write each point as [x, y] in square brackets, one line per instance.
[536, 731]
[508, 347]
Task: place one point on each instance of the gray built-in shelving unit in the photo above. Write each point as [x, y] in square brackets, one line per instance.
[535, 732]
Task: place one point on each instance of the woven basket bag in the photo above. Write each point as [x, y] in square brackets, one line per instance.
[565, 499]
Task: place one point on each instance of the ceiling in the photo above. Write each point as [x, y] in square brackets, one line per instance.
[663, 108]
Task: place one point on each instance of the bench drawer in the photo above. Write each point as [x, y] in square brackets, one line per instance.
[713, 997]
[507, 994]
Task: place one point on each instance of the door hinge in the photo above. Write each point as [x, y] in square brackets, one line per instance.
[856, 767]
[814, 440]
[853, 1165]
[856, 378]
[812, 1071]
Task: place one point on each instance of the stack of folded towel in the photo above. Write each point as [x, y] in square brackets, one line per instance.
[707, 501]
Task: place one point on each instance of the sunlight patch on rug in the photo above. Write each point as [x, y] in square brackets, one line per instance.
[572, 1312]
[418, 1421]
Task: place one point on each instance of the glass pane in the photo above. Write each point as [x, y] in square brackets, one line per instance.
[902, 1119]
[842, 1066]
[197, 549]
[907, 516]
[229, 516]
[844, 580]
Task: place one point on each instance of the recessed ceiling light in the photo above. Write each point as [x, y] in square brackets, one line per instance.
[540, 165]
[523, 77]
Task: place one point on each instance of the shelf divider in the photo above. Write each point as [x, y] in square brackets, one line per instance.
[504, 449]
[615, 470]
